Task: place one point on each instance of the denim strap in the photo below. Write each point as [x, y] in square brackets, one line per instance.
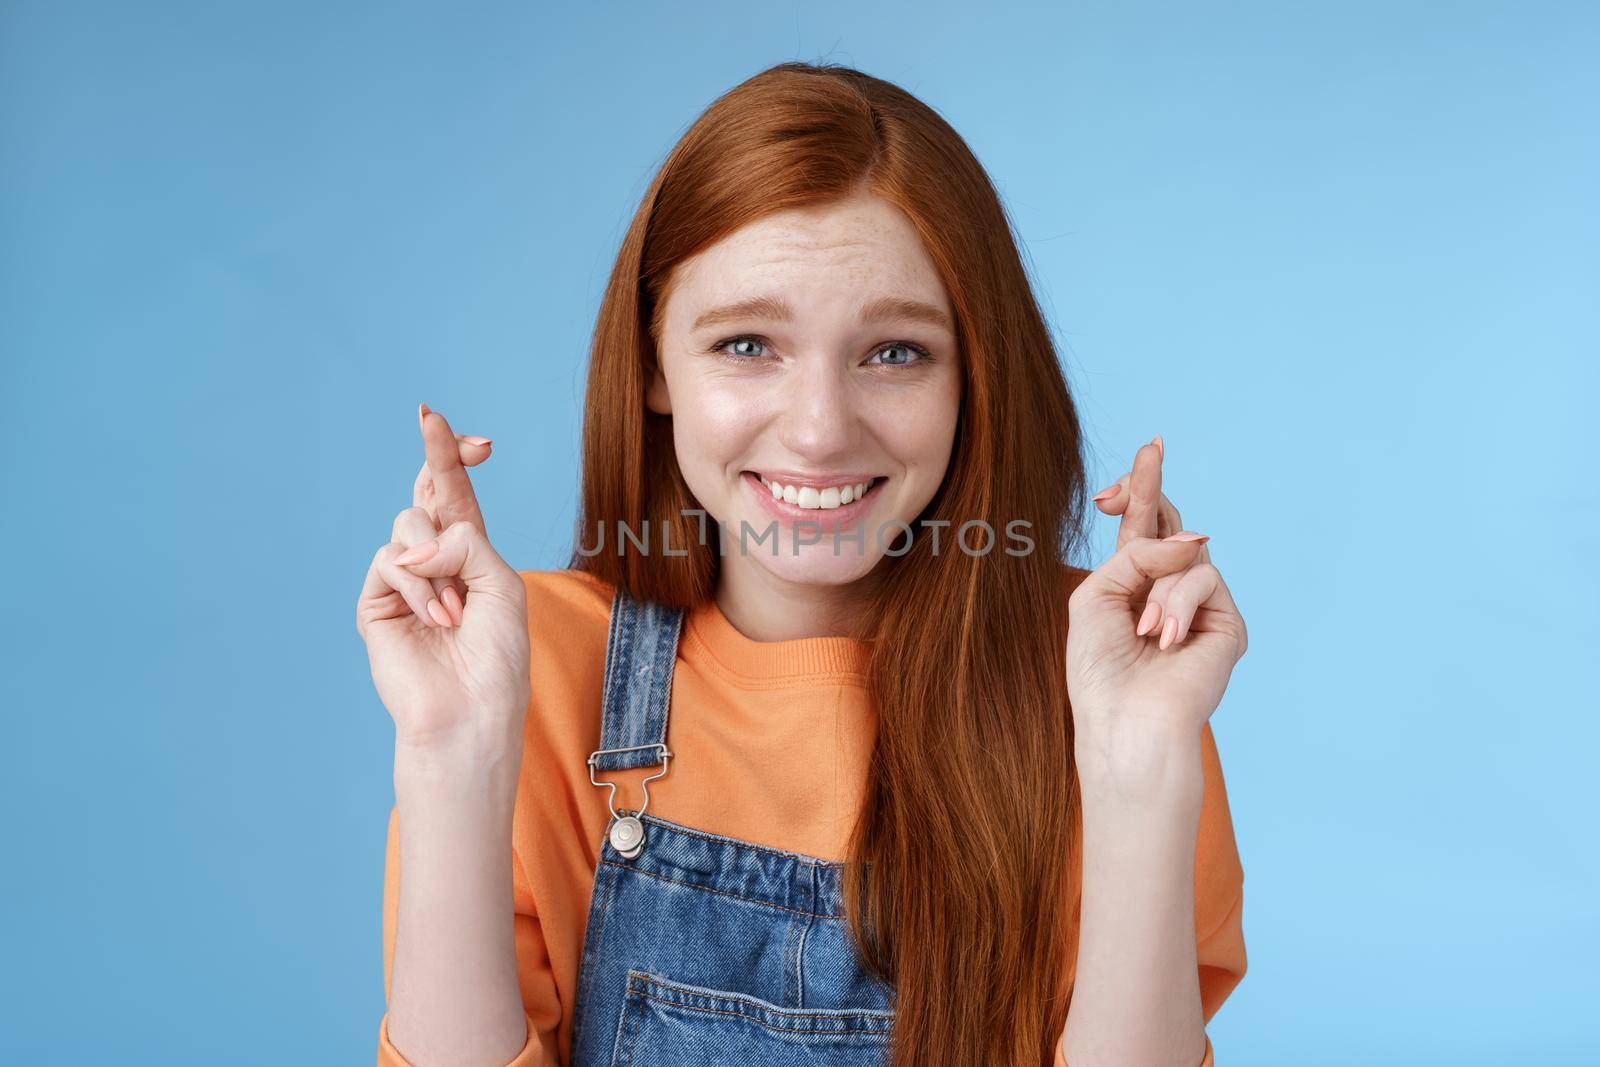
[641, 650]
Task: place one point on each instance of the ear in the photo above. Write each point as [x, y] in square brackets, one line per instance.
[656, 397]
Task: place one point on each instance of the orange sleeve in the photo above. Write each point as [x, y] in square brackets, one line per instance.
[1218, 887]
[540, 1006]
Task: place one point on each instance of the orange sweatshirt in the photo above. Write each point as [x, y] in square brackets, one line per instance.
[774, 752]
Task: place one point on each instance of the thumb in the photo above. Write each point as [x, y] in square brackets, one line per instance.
[1138, 563]
[463, 552]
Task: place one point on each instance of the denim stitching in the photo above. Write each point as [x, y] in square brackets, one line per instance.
[641, 984]
[800, 952]
[798, 857]
[585, 990]
[719, 892]
[627, 1036]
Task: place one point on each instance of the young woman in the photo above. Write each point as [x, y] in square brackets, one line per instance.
[799, 760]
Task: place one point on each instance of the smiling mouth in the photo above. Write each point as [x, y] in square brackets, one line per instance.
[817, 497]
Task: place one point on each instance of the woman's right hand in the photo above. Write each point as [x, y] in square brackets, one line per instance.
[445, 618]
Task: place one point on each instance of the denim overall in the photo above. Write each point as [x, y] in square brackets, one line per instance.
[701, 949]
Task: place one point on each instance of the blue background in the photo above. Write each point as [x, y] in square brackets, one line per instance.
[1341, 255]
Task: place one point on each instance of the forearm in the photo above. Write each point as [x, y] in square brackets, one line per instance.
[1136, 993]
[454, 995]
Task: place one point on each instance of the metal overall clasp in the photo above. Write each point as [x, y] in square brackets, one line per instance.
[627, 832]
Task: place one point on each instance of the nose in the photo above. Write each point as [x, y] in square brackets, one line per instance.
[819, 422]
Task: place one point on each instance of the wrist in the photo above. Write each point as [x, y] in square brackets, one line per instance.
[464, 773]
[1136, 765]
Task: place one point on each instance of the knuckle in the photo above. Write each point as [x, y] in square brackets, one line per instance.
[462, 528]
[410, 522]
[395, 577]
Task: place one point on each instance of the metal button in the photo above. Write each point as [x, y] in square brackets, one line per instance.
[627, 836]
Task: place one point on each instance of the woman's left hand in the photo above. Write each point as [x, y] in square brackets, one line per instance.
[1153, 632]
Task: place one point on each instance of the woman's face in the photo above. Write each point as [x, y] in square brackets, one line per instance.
[812, 349]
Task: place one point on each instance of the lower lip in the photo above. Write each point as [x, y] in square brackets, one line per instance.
[827, 519]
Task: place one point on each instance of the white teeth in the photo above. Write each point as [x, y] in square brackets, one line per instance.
[807, 496]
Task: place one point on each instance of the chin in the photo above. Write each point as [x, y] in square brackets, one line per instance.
[817, 565]
[812, 564]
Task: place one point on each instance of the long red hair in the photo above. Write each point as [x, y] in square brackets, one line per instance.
[963, 877]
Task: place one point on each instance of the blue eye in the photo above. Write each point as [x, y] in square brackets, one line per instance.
[922, 354]
[741, 341]
[904, 347]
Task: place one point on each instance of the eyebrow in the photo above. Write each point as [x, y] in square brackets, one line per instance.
[884, 308]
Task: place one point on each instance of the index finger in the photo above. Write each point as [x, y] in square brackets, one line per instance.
[1142, 518]
[454, 499]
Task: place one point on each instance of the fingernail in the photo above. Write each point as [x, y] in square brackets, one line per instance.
[452, 603]
[1187, 535]
[1169, 631]
[477, 440]
[443, 619]
[1109, 491]
[1152, 612]
[1156, 440]
[418, 553]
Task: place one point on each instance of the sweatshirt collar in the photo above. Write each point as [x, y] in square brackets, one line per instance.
[773, 664]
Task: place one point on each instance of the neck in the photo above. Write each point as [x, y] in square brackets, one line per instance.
[765, 607]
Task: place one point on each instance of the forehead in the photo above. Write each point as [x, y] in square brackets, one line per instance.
[828, 254]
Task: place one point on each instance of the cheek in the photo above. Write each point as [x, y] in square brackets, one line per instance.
[717, 421]
[918, 427]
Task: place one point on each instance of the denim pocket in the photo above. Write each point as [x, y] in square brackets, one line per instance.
[669, 1024]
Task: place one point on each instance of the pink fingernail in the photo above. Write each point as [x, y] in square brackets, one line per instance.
[1156, 440]
[1169, 631]
[421, 552]
[452, 603]
[441, 617]
[1109, 491]
[477, 441]
[1147, 621]
[1188, 535]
